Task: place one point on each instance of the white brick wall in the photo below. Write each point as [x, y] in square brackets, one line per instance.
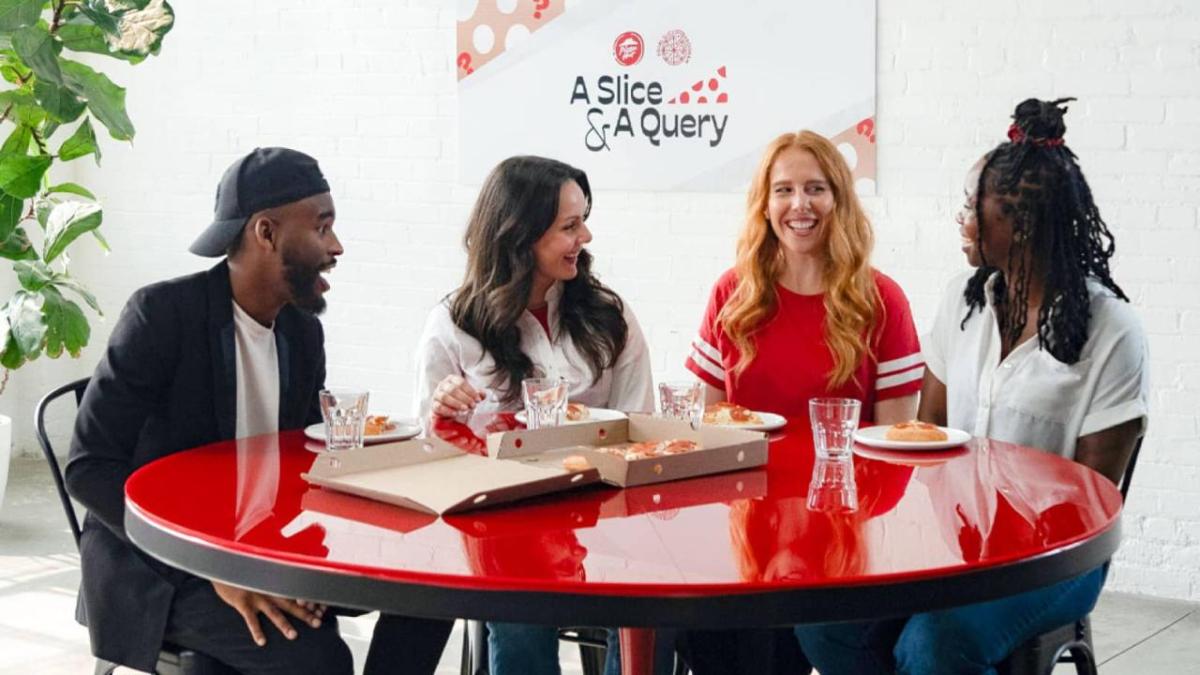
[368, 87]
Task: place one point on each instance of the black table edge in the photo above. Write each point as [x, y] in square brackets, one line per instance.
[735, 610]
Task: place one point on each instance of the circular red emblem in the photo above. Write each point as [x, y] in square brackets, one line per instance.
[628, 48]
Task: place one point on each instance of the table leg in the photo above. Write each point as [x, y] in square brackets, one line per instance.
[637, 651]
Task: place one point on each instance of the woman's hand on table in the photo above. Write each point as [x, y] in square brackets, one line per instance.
[250, 604]
[453, 397]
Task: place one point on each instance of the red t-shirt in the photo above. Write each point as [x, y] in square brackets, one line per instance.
[793, 361]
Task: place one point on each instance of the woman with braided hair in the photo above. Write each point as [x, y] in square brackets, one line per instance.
[1037, 346]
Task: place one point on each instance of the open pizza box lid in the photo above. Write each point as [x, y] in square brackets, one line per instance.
[433, 476]
[721, 449]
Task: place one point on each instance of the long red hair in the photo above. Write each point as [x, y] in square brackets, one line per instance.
[852, 300]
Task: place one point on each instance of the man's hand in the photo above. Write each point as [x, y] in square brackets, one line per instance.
[250, 604]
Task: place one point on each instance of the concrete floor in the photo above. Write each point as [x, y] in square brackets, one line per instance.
[39, 576]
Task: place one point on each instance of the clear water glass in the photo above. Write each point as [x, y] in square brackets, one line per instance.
[833, 489]
[682, 401]
[545, 401]
[834, 421]
[345, 414]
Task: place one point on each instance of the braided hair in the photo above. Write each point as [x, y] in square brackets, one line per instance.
[1057, 231]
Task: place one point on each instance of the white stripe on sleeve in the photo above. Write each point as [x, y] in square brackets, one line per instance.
[707, 366]
[900, 378]
[896, 365]
[707, 350]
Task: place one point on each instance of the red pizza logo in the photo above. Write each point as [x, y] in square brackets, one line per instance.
[628, 48]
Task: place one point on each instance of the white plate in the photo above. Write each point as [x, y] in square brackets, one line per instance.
[770, 422]
[911, 457]
[595, 415]
[404, 430]
[876, 437]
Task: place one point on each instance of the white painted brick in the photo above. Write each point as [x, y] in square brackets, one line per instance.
[1157, 82]
[1184, 110]
[1184, 164]
[1175, 137]
[1161, 30]
[1117, 162]
[1123, 110]
[1178, 218]
[1160, 528]
[1092, 82]
[1183, 56]
[1189, 321]
[1190, 531]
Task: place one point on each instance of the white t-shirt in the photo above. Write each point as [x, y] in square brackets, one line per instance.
[257, 375]
[445, 349]
[1031, 398]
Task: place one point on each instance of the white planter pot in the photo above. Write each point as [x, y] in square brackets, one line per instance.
[5, 452]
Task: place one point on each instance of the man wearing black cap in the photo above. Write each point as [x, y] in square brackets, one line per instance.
[233, 352]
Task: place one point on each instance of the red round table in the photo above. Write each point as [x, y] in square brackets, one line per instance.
[724, 551]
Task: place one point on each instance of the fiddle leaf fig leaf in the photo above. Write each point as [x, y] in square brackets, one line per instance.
[15, 14]
[35, 46]
[11, 358]
[62, 105]
[86, 37]
[80, 144]
[66, 325]
[67, 221]
[72, 188]
[105, 99]
[21, 175]
[10, 214]
[18, 141]
[99, 14]
[17, 246]
[26, 323]
[64, 281]
[34, 276]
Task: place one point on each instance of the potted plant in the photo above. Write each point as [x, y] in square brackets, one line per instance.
[50, 110]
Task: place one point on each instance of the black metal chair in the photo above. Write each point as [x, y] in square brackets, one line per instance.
[1070, 643]
[172, 659]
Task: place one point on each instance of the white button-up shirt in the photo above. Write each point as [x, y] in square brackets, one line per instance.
[1031, 398]
[445, 349]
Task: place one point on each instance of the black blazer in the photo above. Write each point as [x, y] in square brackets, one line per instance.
[167, 382]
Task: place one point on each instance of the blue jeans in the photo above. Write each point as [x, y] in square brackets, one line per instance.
[967, 640]
[526, 649]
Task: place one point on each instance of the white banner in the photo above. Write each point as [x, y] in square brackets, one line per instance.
[663, 94]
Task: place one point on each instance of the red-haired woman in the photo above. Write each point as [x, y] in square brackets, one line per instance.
[803, 314]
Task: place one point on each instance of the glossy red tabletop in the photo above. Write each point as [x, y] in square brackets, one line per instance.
[988, 505]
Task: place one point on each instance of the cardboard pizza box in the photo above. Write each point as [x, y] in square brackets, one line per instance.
[433, 476]
[721, 449]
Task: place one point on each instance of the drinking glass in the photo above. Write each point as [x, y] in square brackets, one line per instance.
[832, 489]
[682, 401]
[833, 423]
[345, 414]
[545, 401]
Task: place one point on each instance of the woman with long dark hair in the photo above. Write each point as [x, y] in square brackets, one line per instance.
[529, 306]
[1038, 346]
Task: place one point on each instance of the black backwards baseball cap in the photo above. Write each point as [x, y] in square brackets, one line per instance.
[263, 179]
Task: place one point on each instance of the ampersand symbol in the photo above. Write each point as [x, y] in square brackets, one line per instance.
[595, 139]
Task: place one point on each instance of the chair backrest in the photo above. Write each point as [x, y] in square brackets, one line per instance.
[1128, 476]
[39, 420]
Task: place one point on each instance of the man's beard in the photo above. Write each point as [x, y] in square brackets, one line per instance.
[302, 282]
